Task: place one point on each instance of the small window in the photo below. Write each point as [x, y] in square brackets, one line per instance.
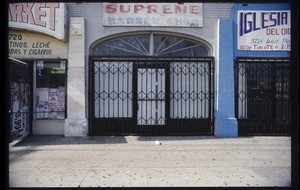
[50, 89]
[176, 46]
[130, 45]
[140, 45]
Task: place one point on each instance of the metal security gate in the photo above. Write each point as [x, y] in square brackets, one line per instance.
[20, 98]
[262, 96]
[151, 96]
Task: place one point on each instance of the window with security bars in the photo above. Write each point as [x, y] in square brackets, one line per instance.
[163, 45]
[260, 83]
[263, 94]
[189, 81]
[190, 89]
[151, 83]
[113, 89]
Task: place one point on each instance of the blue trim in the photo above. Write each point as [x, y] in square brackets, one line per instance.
[238, 53]
[226, 124]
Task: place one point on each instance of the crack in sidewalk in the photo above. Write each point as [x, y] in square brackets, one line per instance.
[86, 175]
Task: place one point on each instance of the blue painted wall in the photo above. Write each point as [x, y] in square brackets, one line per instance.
[226, 123]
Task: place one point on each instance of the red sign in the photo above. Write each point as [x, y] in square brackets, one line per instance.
[153, 14]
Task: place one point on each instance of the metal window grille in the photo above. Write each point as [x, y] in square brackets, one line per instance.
[262, 96]
[136, 90]
[151, 44]
[145, 96]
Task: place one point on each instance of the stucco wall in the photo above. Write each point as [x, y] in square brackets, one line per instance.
[92, 12]
[94, 29]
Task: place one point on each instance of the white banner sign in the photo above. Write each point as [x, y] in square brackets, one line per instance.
[47, 18]
[264, 30]
[153, 14]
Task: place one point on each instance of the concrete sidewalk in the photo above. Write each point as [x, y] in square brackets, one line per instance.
[133, 161]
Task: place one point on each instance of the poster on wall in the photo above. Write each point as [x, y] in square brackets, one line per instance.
[51, 103]
[268, 30]
[61, 102]
[43, 94]
[20, 93]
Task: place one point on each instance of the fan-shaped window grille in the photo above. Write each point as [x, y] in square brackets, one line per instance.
[140, 45]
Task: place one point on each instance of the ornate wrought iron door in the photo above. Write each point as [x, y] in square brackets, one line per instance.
[151, 96]
[151, 83]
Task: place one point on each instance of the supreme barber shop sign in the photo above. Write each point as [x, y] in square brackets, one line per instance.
[153, 14]
[48, 18]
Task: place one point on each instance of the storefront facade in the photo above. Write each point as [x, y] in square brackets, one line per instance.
[262, 68]
[167, 69]
[146, 77]
[37, 47]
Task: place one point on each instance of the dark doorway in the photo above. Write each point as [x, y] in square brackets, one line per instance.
[20, 98]
[263, 96]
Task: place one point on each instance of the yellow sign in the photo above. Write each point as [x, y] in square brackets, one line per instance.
[34, 45]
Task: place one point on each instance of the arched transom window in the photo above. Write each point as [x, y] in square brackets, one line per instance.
[150, 45]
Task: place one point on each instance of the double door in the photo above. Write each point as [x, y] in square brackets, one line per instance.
[151, 96]
[263, 104]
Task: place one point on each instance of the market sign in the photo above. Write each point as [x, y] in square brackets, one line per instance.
[264, 30]
[48, 18]
[153, 14]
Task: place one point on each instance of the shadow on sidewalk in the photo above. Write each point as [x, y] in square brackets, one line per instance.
[44, 140]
